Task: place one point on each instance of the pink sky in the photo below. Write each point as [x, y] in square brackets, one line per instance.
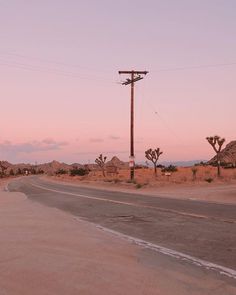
[59, 63]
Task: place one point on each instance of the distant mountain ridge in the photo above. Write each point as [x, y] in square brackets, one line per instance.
[54, 166]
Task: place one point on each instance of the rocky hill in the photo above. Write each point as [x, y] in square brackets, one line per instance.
[227, 155]
[118, 163]
[53, 167]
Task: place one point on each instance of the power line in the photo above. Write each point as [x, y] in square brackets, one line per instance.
[43, 69]
[196, 67]
[66, 73]
[181, 68]
[51, 61]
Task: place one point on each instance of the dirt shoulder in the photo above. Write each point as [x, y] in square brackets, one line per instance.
[210, 192]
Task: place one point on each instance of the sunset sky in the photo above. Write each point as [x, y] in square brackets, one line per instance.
[60, 91]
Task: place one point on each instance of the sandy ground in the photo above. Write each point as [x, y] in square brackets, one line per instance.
[46, 251]
[219, 192]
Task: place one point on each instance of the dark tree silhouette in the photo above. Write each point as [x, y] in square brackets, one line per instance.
[3, 169]
[216, 142]
[100, 161]
[153, 156]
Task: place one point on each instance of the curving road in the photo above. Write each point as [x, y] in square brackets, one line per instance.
[196, 230]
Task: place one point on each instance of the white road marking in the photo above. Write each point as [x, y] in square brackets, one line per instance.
[231, 273]
[178, 255]
[134, 205]
[166, 251]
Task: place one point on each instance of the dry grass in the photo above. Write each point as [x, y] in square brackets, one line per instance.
[145, 177]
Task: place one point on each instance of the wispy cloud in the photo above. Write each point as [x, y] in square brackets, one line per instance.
[114, 137]
[96, 140]
[31, 146]
[103, 152]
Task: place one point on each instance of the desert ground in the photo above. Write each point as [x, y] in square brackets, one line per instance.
[180, 184]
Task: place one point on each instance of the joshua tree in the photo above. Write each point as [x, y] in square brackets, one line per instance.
[153, 156]
[216, 142]
[101, 163]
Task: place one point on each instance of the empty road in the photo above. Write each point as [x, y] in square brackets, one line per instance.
[202, 230]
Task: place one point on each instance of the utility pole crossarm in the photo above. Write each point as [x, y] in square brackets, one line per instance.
[134, 72]
[135, 76]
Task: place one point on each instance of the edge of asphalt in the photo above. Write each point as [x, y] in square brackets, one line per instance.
[131, 191]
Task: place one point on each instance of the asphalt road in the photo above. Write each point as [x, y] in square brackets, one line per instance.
[203, 230]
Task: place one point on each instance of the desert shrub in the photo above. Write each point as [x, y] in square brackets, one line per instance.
[117, 180]
[2, 175]
[170, 168]
[201, 164]
[79, 172]
[138, 185]
[136, 167]
[19, 171]
[40, 171]
[108, 180]
[213, 164]
[160, 166]
[209, 179]
[61, 172]
[229, 166]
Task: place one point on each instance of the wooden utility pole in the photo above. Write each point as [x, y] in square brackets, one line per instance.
[135, 76]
